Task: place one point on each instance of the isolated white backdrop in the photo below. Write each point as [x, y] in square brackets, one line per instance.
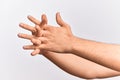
[92, 19]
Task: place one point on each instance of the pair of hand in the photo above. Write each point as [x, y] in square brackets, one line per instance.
[48, 38]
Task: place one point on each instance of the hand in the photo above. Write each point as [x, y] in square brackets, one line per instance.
[55, 39]
[34, 31]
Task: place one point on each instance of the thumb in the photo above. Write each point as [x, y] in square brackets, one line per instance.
[59, 20]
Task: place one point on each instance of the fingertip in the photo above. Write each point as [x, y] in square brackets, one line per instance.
[43, 15]
[35, 52]
[19, 35]
[44, 19]
[59, 19]
[29, 16]
[21, 24]
[33, 40]
[24, 47]
[58, 13]
[37, 27]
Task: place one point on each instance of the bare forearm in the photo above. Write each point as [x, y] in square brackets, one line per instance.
[79, 66]
[105, 54]
[47, 38]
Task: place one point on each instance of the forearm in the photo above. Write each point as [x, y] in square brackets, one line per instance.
[107, 55]
[79, 66]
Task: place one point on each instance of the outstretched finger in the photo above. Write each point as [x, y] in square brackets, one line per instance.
[25, 36]
[37, 22]
[43, 20]
[34, 20]
[29, 47]
[27, 27]
[59, 20]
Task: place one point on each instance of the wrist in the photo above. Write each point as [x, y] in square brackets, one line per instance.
[75, 44]
[79, 46]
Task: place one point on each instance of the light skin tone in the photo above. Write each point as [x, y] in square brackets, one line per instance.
[51, 41]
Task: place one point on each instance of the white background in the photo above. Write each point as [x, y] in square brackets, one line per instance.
[92, 19]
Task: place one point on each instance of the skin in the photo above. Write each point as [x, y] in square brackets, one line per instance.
[47, 41]
[50, 37]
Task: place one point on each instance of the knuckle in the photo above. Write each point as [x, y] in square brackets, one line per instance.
[33, 30]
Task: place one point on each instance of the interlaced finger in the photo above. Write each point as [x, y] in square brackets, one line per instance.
[34, 20]
[25, 36]
[29, 47]
[35, 52]
[27, 27]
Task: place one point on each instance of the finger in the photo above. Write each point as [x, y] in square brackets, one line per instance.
[37, 22]
[34, 20]
[35, 52]
[36, 41]
[29, 47]
[39, 31]
[33, 47]
[25, 36]
[39, 41]
[44, 20]
[59, 20]
[43, 33]
[27, 27]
